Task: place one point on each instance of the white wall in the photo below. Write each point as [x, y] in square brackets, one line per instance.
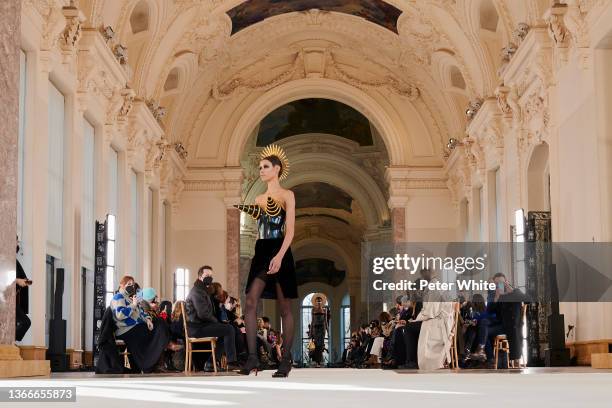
[431, 217]
[198, 234]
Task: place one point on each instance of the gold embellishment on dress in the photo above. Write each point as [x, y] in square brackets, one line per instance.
[253, 210]
[275, 150]
[272, 207]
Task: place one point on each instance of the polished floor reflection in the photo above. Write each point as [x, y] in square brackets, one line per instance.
[563, 387]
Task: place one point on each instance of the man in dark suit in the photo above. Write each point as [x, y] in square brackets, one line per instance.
[201, 319]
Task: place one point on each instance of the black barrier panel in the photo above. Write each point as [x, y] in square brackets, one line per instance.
[99, 285]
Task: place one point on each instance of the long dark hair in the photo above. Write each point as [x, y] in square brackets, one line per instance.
[275, 162]
[478, 303]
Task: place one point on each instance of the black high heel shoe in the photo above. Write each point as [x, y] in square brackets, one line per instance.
[252, 364]
[284, 366]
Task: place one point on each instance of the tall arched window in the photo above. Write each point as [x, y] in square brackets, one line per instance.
[306, 320]
[345, 316]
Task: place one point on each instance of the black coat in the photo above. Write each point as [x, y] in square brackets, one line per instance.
[199, 306]
[109, 360]
[22, 293]
[508, 310]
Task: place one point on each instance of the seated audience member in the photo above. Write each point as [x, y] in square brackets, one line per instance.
[397, 350]
[165, 311]
[177, 337]
[434, 331]
[354, 355]
[223, 298]
[144, 340]
[476, 322]
[201, 318]
[375, 352]
[412, 326]
[278, 348]
[262, 339]
[148, 301]
[177, 331]
[505, 303]
[266, 323]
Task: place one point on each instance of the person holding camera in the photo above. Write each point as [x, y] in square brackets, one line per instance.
[143, 339]
[22, 321]
[505, 303]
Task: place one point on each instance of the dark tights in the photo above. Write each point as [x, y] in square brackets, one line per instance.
[250, 321]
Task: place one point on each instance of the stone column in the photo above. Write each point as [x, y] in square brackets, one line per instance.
[248, 237]
[9, 133]
[11, 364]
[232, 249]
[398, 223]
[397, 208]
[232, 181]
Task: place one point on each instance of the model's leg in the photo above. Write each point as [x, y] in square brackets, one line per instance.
[250, 313]
[285, 309]
[287, 317]
[250, 323]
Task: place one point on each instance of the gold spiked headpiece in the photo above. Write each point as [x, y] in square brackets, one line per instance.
[276, 150]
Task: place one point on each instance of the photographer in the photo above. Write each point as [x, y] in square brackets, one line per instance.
[505, 303]
[22, 321]
[143, 339]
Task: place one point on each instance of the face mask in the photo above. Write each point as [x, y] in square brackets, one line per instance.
[130, 290]
[207, 280]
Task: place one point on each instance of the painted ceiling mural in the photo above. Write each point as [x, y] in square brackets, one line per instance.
[314, 116]
[321, 195]
[253, 11]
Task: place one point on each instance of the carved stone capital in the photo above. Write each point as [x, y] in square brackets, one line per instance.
[501, 93]
[557, 28]
[72, 32]
[128, 96]
[159, 112]
[472, 108]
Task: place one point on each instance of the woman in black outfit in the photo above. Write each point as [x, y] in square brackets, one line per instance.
[318, 328]
[22, 321]
[272, 273]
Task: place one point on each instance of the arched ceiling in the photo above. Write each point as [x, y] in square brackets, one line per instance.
[321, 195]
[440, 56]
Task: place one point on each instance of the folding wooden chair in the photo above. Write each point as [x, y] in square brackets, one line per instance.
[190, 341]
[454, 357]
[125, 353]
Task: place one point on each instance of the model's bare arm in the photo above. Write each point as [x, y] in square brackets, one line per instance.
[289, 199]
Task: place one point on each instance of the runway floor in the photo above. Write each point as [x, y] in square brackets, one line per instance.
[326, 387]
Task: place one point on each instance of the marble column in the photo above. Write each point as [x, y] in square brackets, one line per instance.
[232, 249]
[398, 222]
[9, 133]
[11, 363]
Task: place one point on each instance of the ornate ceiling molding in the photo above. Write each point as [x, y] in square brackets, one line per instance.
[314, 62]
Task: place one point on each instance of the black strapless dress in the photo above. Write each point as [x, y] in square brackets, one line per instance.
[271, 233]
